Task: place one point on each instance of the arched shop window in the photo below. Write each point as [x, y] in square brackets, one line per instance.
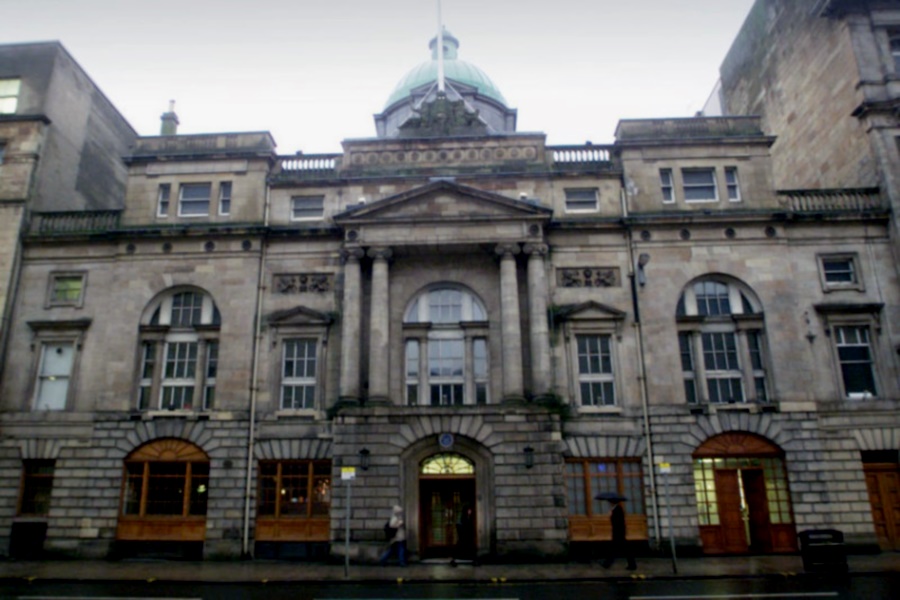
[166, 478]
[446, 348]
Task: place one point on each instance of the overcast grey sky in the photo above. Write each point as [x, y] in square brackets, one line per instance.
[313, 72]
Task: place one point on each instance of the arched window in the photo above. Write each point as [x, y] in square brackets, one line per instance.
[447, 463]
[165, 481]
[179, 352]
[721, 341]
[167, 477]
[446, 362]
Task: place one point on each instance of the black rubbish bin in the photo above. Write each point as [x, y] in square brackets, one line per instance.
[823, 550]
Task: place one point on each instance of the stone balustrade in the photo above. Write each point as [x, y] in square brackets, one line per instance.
[833, 200]
[74, 222]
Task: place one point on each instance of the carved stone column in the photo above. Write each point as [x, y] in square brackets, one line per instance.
[351, 314]
[540, 331]
[379, 325]
[510, 323]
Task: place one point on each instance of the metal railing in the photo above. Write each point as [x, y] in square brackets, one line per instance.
[95, 221]
[833, 200]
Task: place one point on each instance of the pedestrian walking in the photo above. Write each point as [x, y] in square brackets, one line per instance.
[395, 533]
[620, 546]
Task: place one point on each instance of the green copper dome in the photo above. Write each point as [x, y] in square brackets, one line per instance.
[454, 69]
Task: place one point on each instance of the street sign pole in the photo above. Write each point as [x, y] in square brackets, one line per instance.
[664, 470]
[348, 474]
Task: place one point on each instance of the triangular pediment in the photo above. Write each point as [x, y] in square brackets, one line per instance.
[588, 311]
[299, 315]
[443, 201]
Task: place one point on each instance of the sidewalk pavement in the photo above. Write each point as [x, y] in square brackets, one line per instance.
[278, 571]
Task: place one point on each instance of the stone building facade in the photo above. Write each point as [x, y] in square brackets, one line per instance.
[459, 319]
[800, 65]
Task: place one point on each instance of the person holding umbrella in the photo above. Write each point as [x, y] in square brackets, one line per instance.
[620, 546]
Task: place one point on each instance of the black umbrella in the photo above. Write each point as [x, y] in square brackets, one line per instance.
[611, 496]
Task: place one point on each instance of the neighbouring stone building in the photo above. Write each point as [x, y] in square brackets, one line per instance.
[824, 76]
[450, 316]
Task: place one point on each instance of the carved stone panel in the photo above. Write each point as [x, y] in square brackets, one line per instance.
[589, 277]
[300, 283]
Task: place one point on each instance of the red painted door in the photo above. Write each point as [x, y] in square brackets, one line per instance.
[728, 495]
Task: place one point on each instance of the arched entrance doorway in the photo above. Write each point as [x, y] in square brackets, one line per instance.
[743, 501]
[447, 506]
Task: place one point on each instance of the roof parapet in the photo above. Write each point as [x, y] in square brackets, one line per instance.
[688, 129]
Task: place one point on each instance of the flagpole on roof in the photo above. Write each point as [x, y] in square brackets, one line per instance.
[440, 49]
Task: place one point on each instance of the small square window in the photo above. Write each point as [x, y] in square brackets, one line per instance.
[162, 200]
[66, 289]
[225, 198]
[839, 272]
[699, 185]
[305, 208]
[581, 200]
[731, 180]
[9, 95]
[665, 182]
[194, 200]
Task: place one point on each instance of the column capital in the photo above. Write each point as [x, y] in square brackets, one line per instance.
[504, 250]
[536, 249]
[380, 252]
[351, 254]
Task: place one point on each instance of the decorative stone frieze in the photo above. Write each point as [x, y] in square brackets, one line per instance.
[301, 283]
[586, 277]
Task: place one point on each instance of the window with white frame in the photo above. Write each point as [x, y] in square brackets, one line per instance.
[446, 348]
[9, 95]
[854, 352]
[595, 370]
[667, 185]
[731, 182]
[307, 208]
[581, 200]
[298, 373]
[193, 199]
[179, 352]
[57, 344]
[590, 331]
[699, 185]
[225, 198]
[839, 272]
[721, 343]
[163, 194]
[54, 373]
[66, 289]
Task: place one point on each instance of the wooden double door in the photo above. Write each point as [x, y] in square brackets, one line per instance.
[744, 517]
[883, 483]
[447, 511]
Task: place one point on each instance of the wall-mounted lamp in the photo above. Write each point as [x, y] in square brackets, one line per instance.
[643, 259]
[364, 459]
[529, 457]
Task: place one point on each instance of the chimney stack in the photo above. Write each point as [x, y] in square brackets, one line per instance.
[169, 119]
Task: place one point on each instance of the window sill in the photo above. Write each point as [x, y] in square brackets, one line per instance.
[299, 413]
[600, 410]
[190, 415]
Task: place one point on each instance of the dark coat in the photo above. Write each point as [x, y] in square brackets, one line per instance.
[617, 519]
